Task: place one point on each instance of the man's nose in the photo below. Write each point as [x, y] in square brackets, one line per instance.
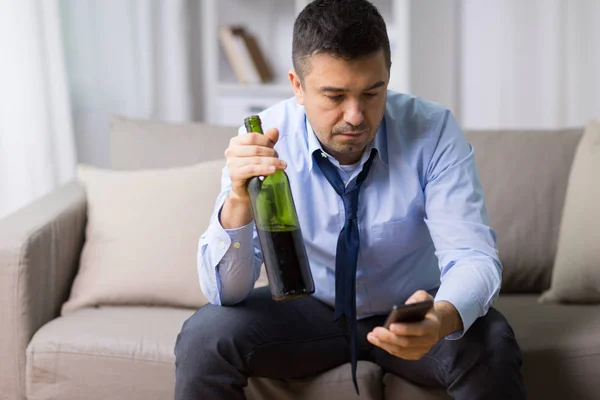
[354, 113]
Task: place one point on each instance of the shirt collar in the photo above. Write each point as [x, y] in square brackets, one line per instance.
[379, 143]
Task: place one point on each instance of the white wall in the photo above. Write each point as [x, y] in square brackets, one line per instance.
[435, 51]
[132, 58]
[37, 151]
[495, 63]
[529, 64]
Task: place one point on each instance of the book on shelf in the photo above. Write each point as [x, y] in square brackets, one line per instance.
[244, 55]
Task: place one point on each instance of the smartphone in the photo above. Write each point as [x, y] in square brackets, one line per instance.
[408, 312]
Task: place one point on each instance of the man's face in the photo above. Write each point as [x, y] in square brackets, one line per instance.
[344, 101]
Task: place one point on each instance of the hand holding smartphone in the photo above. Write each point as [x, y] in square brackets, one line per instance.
[414, 312]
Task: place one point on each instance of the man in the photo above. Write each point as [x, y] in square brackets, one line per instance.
[422, 225]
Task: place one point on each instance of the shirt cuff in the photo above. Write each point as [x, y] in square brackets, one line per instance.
[465, 303]
[240, 241]
[228, 244]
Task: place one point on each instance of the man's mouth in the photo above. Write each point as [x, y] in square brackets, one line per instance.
[352, 133]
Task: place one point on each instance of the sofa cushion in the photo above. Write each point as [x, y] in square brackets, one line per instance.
[127, 353]
[335, 384]
[576, 274]
[142, 235]
[560, 346]
[399, 388]
[524, 175]
[140, 144]
[105, 353]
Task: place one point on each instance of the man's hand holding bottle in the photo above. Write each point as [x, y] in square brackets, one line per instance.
[247, 156]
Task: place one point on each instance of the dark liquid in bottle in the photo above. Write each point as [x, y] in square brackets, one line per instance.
[286, 264]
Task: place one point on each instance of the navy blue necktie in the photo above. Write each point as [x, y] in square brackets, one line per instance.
[347, 248]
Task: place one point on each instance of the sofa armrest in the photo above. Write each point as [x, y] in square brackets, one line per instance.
[40, 247]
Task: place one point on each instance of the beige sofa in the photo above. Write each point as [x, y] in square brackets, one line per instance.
[127, 352]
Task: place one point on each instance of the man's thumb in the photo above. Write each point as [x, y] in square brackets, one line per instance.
[418, 296]
[272, 134]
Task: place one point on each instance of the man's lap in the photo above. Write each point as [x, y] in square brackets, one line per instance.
[277, 339]
[299, 338]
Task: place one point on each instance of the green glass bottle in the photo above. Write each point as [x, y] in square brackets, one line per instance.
[279, 231]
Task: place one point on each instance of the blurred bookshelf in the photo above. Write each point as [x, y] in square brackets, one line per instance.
[236, 82]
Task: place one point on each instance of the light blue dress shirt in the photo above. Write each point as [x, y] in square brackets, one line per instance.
[422, 217]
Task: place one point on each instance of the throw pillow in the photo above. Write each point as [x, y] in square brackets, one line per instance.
[576, 274]
[142, 235]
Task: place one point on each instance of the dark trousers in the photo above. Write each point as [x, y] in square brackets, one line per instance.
[220, 347]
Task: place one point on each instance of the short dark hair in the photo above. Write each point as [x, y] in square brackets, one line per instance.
[350, 29]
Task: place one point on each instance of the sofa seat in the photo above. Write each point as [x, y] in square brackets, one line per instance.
[560, 345]
[101, 353]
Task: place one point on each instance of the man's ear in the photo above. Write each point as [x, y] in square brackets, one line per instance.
[297, 86]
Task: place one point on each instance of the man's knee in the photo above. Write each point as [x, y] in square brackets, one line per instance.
[210, 352]
[227, 331]
[207, 330]
[495, 340]
[499, 335]
[486, 362]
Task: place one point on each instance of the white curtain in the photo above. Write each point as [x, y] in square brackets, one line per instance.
[126, 57]
[529, 64]
[37, 150]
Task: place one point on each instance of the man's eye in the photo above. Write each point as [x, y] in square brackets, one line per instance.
[370, 95]
[338, 97]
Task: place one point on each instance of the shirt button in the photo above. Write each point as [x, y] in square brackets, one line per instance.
[237, 245]
[222, 244]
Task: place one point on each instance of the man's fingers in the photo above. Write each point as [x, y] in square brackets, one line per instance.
[262, 161]
[270, 137]
[249, 155]
[421, 328]
[385, 346]
[248, 167]
[388, 337]
[409, 340]
[418, 296]
[407, 353]
[252, 170]
[252, 138]
[250, 151]
[408, 329]
[246, 172]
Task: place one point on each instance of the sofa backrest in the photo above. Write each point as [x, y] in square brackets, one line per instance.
[141, 144]
[524, 175]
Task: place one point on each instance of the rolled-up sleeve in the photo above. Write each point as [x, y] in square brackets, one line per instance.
[228, 259]
[458, 222]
